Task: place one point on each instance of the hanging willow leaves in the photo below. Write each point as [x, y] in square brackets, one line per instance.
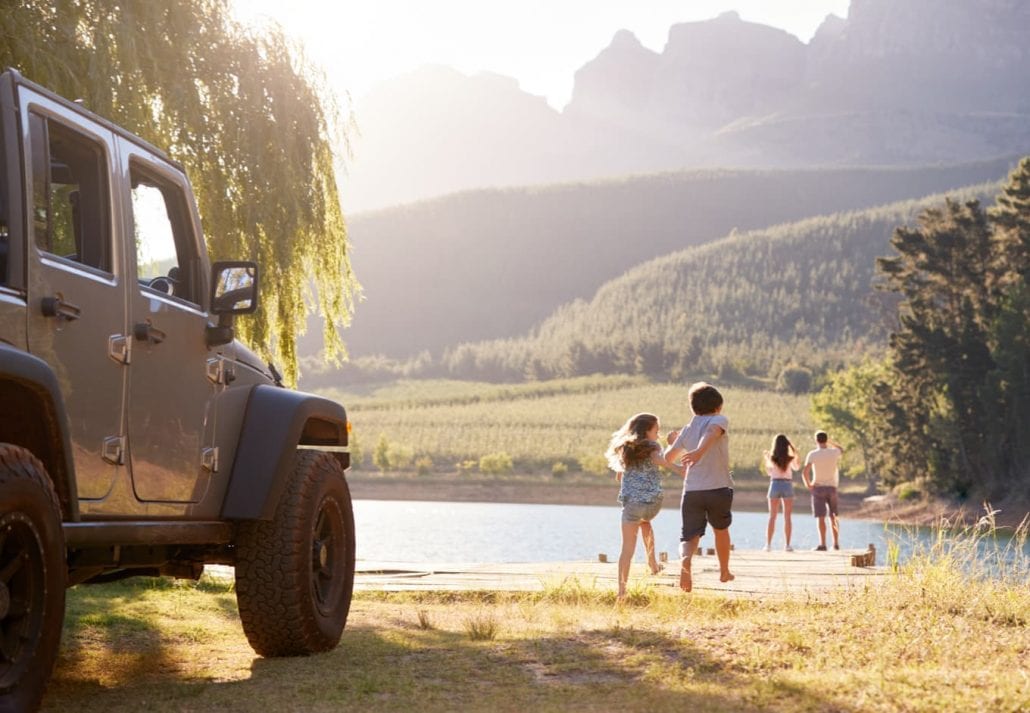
[253, 123]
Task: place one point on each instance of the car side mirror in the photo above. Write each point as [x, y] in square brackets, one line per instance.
[234, 287]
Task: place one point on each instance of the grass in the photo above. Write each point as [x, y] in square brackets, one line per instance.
[565, 421]
[939, 634]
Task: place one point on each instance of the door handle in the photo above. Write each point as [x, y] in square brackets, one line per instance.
[146, 332]
[57, 307]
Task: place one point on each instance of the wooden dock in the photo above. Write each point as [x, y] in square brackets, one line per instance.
[757, 574]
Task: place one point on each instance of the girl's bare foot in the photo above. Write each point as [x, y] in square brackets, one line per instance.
[656, 568]
[726, 577]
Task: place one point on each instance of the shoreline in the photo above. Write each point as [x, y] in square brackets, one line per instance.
[854, 505]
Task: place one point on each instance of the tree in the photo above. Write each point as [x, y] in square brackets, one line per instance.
[847, 406]
[253, 124]
[942, 270]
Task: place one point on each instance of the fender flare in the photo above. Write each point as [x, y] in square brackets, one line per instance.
[34, 379]
[275, 422]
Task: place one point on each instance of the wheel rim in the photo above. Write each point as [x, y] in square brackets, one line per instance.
[22, 573]
[328, 557]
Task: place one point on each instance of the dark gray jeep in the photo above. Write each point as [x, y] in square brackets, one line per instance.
[137, 437]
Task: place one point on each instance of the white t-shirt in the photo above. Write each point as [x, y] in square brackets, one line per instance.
[824, 466]
[713, 470]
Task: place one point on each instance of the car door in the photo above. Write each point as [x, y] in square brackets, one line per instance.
[75, 281]
[174, 377]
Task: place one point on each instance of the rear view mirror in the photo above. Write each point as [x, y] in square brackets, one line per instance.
[234, 287]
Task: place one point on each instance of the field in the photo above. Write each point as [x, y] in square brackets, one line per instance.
[539, 424]
[933, 636]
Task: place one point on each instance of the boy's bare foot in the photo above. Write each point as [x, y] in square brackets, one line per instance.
[686, 581]
[726, 577]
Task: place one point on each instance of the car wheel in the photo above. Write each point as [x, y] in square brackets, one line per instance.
[295, 573]
[33, 573]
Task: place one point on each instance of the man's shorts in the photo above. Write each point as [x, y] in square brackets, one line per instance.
[823, 497]
[640, 512]
[780, 488]
[701, 507]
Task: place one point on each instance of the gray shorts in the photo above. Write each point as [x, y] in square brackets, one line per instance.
[824, 497]
[640, 512]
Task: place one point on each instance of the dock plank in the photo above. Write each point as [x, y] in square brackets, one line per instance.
[757, 573]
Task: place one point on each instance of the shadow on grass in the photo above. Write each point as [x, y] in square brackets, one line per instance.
[383, 667]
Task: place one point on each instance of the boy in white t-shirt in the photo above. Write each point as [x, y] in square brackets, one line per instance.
[823, 463]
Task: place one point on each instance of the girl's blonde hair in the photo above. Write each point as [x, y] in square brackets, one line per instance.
[629, 445]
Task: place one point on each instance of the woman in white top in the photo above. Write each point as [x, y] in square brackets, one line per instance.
[780, 464]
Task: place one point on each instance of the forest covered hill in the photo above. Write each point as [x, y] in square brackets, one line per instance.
[749, 304]
[494, 263]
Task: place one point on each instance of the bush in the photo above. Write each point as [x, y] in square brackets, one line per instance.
[496, 464]
[909, 491]
[559, 470]
[423, 465]
[795, 380]
[400, 457]
[381, 453]
[593, 464]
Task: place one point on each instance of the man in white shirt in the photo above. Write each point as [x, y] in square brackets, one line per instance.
[823, 464]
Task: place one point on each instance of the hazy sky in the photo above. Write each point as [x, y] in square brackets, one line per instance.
[539, 42]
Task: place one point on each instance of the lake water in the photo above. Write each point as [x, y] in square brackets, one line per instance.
[460, 532]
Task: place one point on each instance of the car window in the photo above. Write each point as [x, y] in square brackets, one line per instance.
[69, 194]
[166, 259]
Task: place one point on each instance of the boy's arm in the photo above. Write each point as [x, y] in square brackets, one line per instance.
[674, 453]
[713, 434]
[658, 459]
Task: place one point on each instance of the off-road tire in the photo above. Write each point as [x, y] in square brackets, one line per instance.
[295, 573]
[33, 573]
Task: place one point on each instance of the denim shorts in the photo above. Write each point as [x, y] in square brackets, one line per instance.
[702, 507]
[823, 497]
[780, 488]
[641, 512]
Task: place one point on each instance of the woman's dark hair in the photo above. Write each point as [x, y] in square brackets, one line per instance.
[783, 452]
[629, 445]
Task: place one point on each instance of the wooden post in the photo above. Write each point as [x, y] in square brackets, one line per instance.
[866, 559]
[602, 557]
[663, 556]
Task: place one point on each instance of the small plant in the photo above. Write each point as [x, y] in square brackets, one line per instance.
[465, 465]
[893, 555]
[423, 465]
[559, 470]
[424, 622]
[481, 626]
[496, 464]
[357, 454]
[381, 453]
